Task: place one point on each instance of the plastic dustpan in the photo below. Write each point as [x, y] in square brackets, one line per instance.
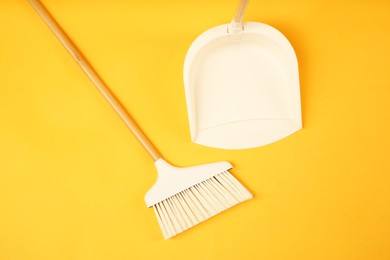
[242, 85]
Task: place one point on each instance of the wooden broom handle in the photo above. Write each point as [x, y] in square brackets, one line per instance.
[95, 78]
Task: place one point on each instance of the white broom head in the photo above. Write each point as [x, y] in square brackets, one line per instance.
[184, 197]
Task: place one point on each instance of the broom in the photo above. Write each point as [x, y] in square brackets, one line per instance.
[181, 197]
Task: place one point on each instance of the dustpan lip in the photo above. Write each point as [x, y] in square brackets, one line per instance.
[256, 139]
[214, 34]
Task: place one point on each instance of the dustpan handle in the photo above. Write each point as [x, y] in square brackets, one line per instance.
[95, 78]
[239, 14]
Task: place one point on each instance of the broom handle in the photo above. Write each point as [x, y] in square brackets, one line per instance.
[95, 78]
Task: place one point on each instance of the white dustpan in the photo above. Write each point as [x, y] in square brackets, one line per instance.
[242, 85]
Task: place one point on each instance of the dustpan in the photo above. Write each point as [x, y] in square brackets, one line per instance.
[242, 85]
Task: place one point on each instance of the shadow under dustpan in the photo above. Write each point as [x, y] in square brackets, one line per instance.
[242, 86]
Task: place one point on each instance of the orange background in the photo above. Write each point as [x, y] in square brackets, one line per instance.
[72, 178]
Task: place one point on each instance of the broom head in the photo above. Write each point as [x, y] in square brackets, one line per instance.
[184, 197]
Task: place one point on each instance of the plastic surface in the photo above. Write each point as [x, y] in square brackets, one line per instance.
[171, 180]
[242, 87]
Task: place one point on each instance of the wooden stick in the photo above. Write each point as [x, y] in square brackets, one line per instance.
[95, 78]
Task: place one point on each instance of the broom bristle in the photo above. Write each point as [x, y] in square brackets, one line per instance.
[199, 202]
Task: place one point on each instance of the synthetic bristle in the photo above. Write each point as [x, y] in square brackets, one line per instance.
[199, 202]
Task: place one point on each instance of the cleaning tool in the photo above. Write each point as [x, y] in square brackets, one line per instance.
[242, 85]
[181, 197]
